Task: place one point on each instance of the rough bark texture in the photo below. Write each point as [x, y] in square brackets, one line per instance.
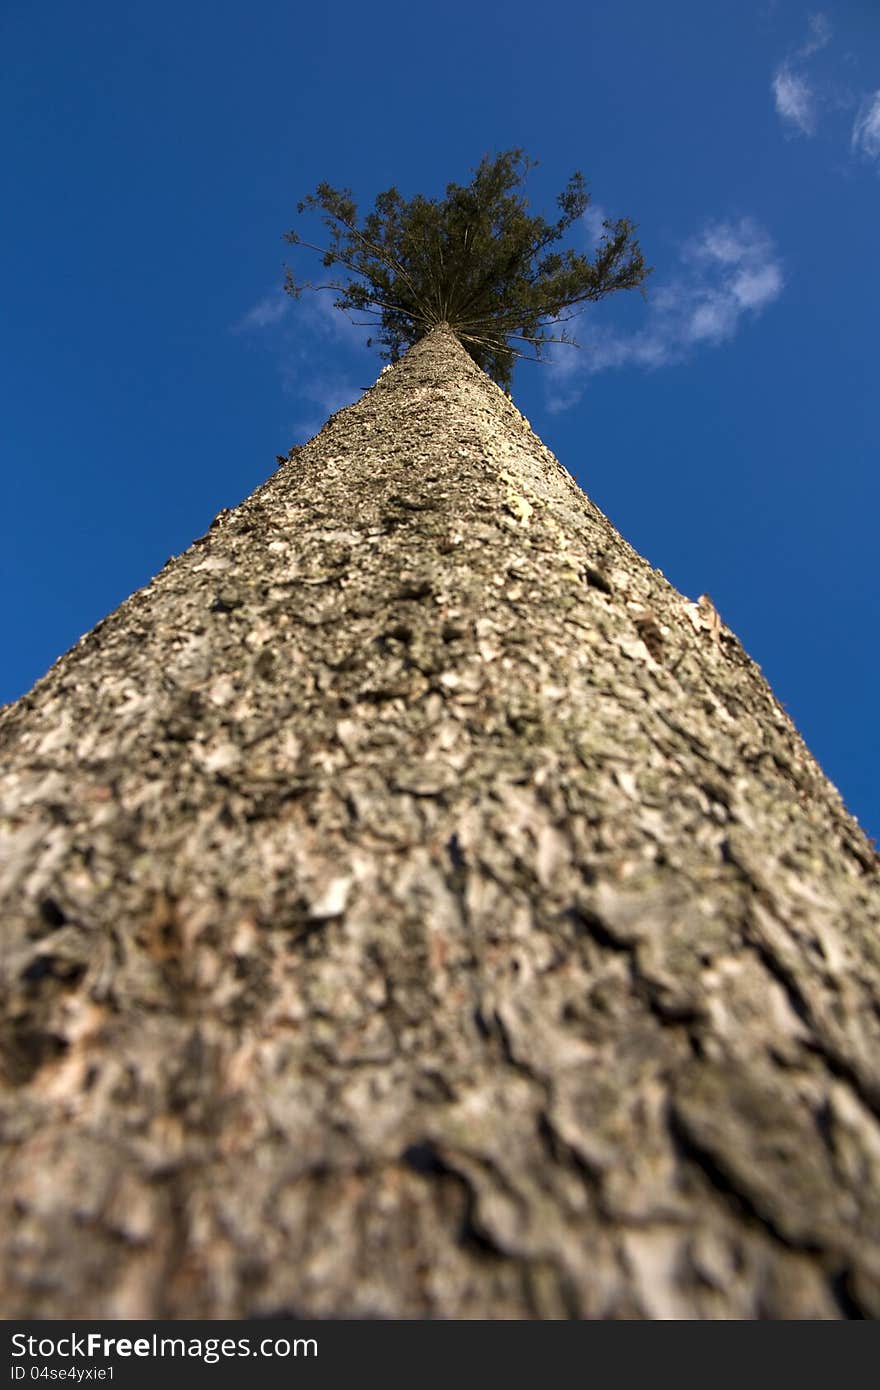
[413, 906]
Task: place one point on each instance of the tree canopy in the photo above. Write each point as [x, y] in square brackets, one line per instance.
[476, 260]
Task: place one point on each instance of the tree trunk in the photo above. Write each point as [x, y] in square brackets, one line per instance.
[415, 907]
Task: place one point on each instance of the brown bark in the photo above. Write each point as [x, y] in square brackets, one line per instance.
[414, 907]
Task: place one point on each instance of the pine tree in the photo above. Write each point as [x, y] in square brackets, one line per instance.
[413, 906]
[475, 260]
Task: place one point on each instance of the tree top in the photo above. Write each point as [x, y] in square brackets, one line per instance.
[476, 260]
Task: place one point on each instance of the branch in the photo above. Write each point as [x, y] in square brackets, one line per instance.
[379, 251]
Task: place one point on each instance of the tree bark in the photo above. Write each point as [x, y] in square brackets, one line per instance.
[414, 907]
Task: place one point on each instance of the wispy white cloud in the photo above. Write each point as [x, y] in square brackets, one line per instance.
[819, 36]
[323, 363]
[795, 100]
[319, 312]
[319, 395]
[270, 309]
[594, 223]
[316, 349]
[794, 94]
[729, 272]
[866, 130]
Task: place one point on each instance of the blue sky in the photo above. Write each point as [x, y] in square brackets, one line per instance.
[729, 425]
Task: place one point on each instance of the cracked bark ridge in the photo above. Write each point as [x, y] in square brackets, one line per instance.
[414, 907]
